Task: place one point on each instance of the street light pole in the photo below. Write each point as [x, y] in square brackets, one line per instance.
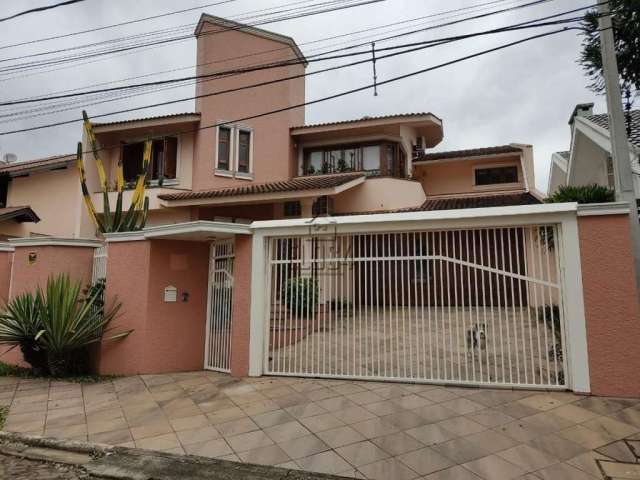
[623, 174]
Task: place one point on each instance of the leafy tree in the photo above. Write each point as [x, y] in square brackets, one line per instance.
[582, 194]
[626, 31]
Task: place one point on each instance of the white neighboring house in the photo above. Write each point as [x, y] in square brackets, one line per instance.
[589, 159]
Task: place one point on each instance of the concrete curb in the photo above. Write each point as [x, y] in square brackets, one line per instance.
[120, 463]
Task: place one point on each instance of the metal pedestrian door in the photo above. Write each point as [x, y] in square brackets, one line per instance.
[219, 306]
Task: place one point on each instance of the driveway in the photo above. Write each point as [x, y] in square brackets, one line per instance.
[357, 429]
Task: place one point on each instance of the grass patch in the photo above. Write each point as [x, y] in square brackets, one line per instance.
[7, 370]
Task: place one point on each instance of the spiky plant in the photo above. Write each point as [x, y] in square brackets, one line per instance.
[61, 322]
[135, 217]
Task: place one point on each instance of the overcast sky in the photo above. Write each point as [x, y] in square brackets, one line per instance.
[524, 94]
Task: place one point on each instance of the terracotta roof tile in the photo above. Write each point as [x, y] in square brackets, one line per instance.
[602, 120]
[318, 182]
[471, 152]
[30, 165]
[496, 200]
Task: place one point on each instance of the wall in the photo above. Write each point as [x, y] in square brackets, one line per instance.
[611, 305]
[241, 308]
[271, 142]
[77, 262]
[380, 194]
[55, 197]
[457, 177]
[166, 337]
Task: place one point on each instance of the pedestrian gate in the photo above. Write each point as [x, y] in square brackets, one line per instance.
[218, 336]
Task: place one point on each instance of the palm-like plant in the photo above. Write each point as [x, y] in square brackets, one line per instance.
[60, 321]
[135, 217]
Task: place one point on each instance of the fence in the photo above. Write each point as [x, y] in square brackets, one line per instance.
[99, 270]
[472, 298]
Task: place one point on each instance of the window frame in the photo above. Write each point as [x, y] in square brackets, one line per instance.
[234, 151]
[491, 186]
[229, 169]
[382, 169]
[155, 182]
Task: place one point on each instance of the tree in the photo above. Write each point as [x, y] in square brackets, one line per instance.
[626, 31]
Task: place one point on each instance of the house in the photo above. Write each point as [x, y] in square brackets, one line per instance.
[210, 165]
[589, 159]
[345, 249]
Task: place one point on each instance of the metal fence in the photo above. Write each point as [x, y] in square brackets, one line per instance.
[99, 271]
[466, 306]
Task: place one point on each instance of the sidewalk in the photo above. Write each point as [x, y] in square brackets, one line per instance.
[348, 428]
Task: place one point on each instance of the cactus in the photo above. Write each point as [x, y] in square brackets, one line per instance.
[117, 220]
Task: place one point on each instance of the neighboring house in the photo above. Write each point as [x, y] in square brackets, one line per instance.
[40, 197]
[271, 166]
[589, 159]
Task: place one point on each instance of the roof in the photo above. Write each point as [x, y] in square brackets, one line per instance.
[496, 200]
[259, 32]
[566, 154]
[318, 182]
[48, 163]
[19, 214]
[144, 119]
[366, 118]
[471, 152]
[602, 120]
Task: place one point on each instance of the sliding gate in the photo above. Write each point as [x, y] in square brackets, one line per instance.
[474, 306]
[218, 336]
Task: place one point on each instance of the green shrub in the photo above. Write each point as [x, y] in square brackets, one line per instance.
[55, 327]
[582, 194]
[301, 296]
[342, 306]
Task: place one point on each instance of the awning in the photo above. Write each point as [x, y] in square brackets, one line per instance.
[18, 214]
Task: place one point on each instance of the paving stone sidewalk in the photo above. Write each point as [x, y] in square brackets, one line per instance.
[355, 429]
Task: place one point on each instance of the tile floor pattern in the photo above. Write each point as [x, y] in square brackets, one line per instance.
[356, 429]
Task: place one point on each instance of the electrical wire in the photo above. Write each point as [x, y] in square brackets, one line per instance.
[40, 9]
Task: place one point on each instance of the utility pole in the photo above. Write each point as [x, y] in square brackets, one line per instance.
[617, 131]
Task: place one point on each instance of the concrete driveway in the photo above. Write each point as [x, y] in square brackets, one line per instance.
[356, 429]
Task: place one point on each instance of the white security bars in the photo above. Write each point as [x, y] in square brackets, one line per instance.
[472, 306]
[218, 335]
[99, 271]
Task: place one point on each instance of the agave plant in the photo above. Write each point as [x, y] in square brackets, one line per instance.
[61, 322]
[135, 217]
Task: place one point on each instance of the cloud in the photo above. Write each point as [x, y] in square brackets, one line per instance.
[524, 94]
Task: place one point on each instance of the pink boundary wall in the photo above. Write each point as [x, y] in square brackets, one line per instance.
[166, 337]
[241, 308]
[77, 261]
[612, 311]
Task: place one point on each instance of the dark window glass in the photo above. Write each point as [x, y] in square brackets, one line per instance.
[244, 149]
[292, 209]
[4, 190]
[170, 157]
[132, 161]
[496, 175]
[224, 144]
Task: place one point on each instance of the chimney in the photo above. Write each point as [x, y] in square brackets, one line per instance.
[581, 110]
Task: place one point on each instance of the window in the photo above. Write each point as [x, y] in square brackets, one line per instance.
[244, 151]
[4, 190]
[611, 181]
[496, 175]
[164, 155]
[224, 148]
[382, 159]
[292, 209]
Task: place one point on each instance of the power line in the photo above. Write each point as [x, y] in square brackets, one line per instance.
[329, 69]
[262, 52]
[332, 6]
[249, 69]
[40, 9]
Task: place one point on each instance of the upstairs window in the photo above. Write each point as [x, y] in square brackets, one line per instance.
[496, 175]
[224, 148]
[373, 159]
[244, 151]
[292, 209]
[164, 156]
[234, 151]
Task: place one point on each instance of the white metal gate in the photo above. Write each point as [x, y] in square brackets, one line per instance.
[218, 337]
[466, 306]
[99, 270]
